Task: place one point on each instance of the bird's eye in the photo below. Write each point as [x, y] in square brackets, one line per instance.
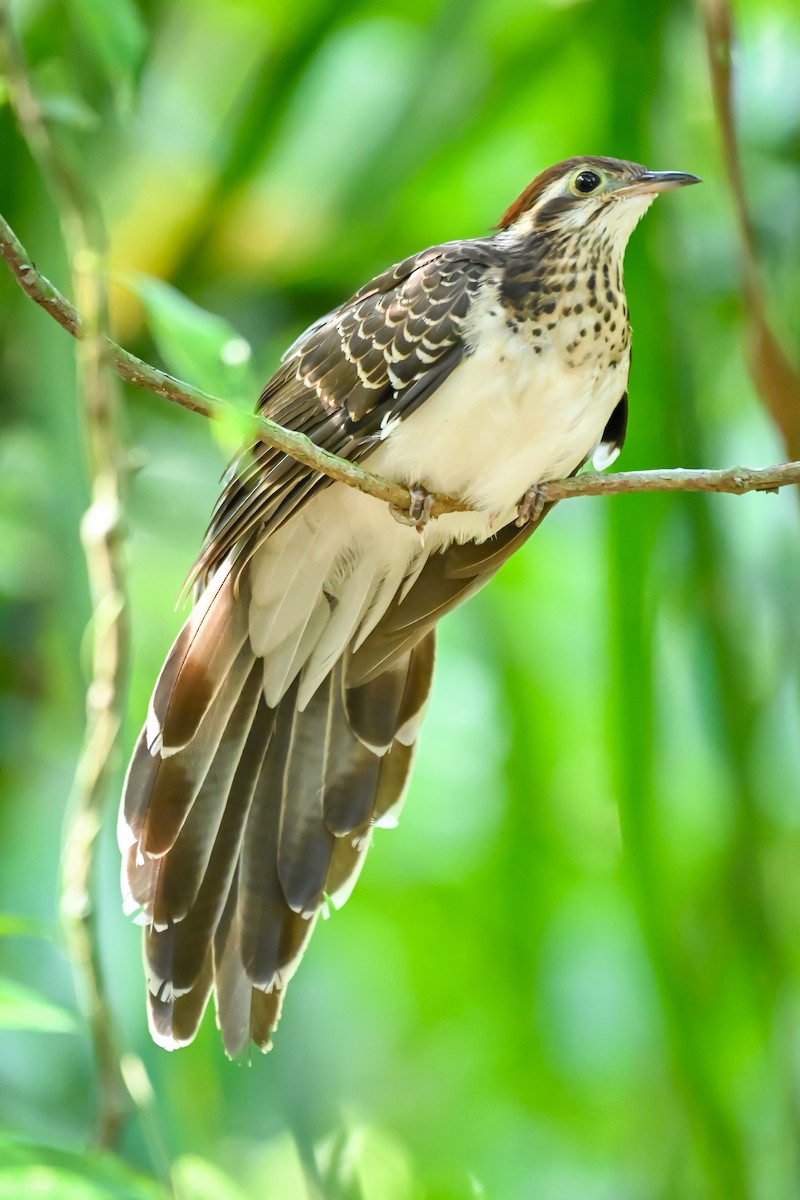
[586, 181]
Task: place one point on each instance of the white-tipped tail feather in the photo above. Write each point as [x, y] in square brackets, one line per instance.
[236, 830]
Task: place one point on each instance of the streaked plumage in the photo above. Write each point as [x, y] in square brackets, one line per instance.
[283, 725]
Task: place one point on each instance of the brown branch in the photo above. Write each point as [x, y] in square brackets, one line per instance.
[134, 370]
[100, 532]
[776, 379]
[736, 480]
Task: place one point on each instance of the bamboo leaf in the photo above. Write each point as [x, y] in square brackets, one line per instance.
[114, 32]
[21, 1008]
[196, 344]
[50, 1174]
[18, 925]
[195, 1178]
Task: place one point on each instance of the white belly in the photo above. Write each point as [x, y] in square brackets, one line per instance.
[503, 420]
[506, 418]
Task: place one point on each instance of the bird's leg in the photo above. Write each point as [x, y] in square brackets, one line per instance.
[418, 512]
[531, 505]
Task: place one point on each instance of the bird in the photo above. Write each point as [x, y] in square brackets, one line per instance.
[283, 725]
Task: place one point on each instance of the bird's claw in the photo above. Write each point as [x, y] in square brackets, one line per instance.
[418, 512]
[532, 504]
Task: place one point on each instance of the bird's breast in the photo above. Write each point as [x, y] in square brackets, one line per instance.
[520, 408]
[508, 416]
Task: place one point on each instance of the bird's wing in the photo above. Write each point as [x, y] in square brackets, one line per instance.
[245, 805]
[372, 361]
[613, 438]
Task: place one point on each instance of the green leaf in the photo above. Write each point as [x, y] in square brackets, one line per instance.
[375, 1165]
[18, 925]
[50, 1174]
[113, 31]
[196, 1179]
[70, 111]
[196, 345]
[23, 1009]
[59, 98]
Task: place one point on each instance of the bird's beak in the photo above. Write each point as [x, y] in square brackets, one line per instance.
[652, 182]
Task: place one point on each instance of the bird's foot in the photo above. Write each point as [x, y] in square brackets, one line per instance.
[532, 504]
[419, 511]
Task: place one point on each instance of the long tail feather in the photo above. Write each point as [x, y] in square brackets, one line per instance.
[247, 804]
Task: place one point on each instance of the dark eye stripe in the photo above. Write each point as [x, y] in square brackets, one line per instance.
[555, 207]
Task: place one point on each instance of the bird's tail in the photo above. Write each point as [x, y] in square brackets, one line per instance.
[240, 820]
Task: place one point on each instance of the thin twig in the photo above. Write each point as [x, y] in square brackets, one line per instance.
[775, 378]
[134, 370]
[100, 532]
[735, 480]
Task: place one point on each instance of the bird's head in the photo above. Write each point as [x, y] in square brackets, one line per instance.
[604, 196]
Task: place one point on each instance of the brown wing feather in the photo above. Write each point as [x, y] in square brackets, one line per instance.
[378, 356]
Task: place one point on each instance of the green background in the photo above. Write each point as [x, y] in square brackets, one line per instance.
[573, 972]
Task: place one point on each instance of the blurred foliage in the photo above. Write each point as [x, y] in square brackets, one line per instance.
[574, 970]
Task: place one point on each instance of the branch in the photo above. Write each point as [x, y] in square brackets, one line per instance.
[736, 480]
[102, 539]
[776, 379]
[134, 370]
